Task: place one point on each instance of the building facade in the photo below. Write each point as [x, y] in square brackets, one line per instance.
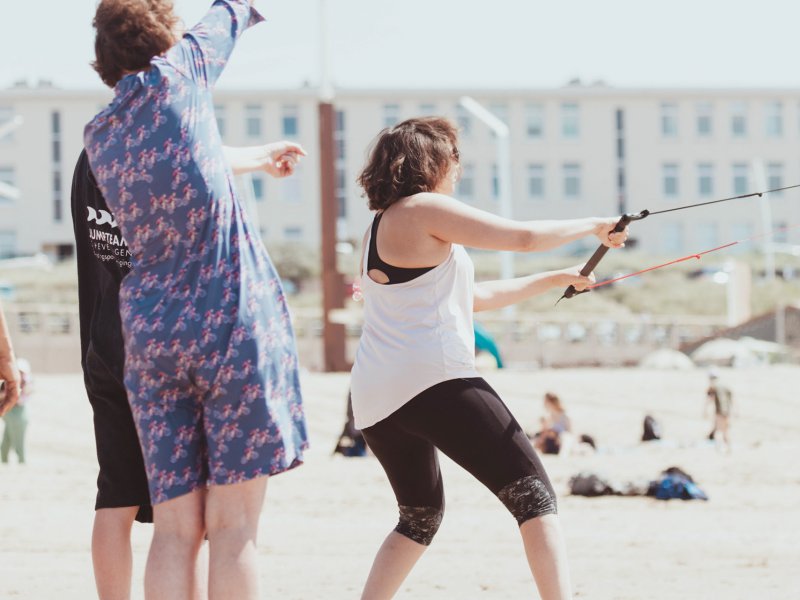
[575, 151]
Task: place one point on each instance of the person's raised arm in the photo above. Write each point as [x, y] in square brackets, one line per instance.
[278, 159]
[8, 369]
[449, 220]
[205, 48]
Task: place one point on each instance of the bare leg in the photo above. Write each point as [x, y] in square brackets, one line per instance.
[231, 517]
[172, 563]
[200, 590]
[394, 561]
[547, 557]
[723, 426]
[111, 552]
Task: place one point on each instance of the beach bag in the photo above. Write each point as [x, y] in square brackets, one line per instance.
[590, 484]
[677, 484]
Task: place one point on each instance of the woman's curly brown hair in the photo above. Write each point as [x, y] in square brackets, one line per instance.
[411, 157]
[129, 34]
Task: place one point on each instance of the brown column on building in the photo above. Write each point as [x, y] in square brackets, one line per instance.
[333, 334]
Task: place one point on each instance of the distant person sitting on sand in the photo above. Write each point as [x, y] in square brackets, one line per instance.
[17, 418]
[350, 443]
[722, 399]
[555, 426]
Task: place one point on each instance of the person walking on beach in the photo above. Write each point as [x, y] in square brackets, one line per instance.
[210, 364]
[103, 261]
[9, 373]
[16, 419]
[415, 388]
[721, 398]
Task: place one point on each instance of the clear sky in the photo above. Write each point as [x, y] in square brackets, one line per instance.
[453, 43]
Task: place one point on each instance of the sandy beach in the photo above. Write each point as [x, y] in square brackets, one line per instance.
[324, 521]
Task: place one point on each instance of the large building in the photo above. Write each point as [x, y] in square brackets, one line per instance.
[575, 151]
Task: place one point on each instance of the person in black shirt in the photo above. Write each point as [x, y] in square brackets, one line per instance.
[103, 261]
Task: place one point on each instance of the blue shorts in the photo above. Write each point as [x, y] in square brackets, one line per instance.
[223, 409]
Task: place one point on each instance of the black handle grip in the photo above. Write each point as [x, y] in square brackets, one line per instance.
[598, 255]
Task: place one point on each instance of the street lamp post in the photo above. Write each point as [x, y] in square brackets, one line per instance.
[503, 143]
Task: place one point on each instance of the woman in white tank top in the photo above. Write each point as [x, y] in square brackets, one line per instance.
[415, 388]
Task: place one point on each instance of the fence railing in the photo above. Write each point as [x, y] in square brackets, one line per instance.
[48, 335]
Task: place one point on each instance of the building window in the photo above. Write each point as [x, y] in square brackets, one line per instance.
[705, 179]
[219, 114]
[775, 176]
[466, 184]
[427, 109]
[391, 115]
[669, 119]
[57, 199]
[8, 244]
[536, 182]
[774, 119]
[340, 146]
[290, 121]
[8, 177]
[704, 119]
[293, 233]
[495, 183]
[55, 125]
[570, 121]
[500, 110]
[781, 234]
[742, 231]
[534, 121]
[292, 186]
[740, 179]
[572, 181]
[739, 119]
[464, 121]
[252, 121]
[258, 187]
[707, 236]
[669, 173]
[672, 242]
[341, 191]
[6, 116]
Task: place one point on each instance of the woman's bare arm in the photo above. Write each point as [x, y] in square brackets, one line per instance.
[490, 295]
[449, 220]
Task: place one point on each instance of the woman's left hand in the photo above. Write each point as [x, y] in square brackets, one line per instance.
[572, 276]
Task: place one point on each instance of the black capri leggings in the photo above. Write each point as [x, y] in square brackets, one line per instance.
[467, 420]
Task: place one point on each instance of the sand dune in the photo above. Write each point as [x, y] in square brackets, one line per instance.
[324, 521]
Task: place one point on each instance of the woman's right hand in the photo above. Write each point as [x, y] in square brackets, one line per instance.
[572, 277]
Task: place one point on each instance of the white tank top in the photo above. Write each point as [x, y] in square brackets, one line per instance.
[415, 334]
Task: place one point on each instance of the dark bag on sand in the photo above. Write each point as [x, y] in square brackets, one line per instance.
[590, 484]
[652, 429]
[675, 483]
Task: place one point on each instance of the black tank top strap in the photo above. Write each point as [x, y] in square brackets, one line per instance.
[395, 274]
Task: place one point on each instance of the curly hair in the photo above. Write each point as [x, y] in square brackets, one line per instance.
[129, 34]
[411, 157]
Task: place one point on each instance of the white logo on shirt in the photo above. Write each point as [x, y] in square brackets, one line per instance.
[102, 219]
